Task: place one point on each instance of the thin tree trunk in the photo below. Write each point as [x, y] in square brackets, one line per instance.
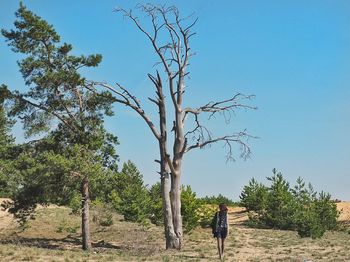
[85, 222]
[170, 235]
[171, 241]
[176, 209]
[178, 149]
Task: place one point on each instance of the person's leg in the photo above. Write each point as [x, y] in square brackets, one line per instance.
[219, 240]
[222, 247]
[223, 237]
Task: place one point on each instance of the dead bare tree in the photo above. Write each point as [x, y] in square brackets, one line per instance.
[174, 55]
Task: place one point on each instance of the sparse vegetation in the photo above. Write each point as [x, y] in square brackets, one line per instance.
[42, 242]
[282, 207]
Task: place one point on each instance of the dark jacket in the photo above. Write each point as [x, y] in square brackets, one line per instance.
[215, 223]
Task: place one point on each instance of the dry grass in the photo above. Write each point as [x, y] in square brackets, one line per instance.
[51, 237]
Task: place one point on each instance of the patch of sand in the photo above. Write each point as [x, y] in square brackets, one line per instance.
[6, 219]
[344, 208]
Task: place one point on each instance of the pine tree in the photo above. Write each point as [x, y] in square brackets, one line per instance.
[58, 104]
[131, 197]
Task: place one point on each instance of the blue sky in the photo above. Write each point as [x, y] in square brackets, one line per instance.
[293, 55]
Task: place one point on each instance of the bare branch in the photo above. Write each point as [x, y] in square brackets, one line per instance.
[154, 101]
[177, 51]
[202, 135]
[134, 19]
[127, 99]
[202, 130]
[150, 10]
[228, 140]
[224, 107]
[186, 30]
[133, 98]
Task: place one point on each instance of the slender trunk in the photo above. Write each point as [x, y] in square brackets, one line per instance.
[85, 223]
[171, 240]
[176, 208]
[178, 149]
[170, 236]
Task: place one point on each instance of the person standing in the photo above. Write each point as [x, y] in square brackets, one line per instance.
[220, 228]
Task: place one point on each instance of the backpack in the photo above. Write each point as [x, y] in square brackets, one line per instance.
[213, 223]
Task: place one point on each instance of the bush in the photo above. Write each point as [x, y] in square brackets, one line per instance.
[156, 205]
[75, 203]
[308, 224]
[296, 208]
[193, 212]
[205, 214]
[107, 220]
[254, 196]
[189, 209]
[101, 213]
[326, 210]
[280, 204]
[130, 197]
[65, 226]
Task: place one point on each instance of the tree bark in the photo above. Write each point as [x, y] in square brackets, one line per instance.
[85, 222]
[171, 240]
[176, 209]
[178, 151]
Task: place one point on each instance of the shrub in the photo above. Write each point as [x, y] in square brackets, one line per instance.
[101, 213]
[279, 209]
[193, 212]
[296, 208]
[75, 203]
[65, 226]
[326, 210]
[156, 205]
[130, 197]
[308, 224]
[189, 209]
[205, 214]
[107, 220]
[254, 196]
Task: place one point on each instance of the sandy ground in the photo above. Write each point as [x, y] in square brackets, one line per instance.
[243, 243]
[344, 208]
[6, 219]
[252, 240]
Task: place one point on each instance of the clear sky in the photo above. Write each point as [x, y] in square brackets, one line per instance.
[293, 55]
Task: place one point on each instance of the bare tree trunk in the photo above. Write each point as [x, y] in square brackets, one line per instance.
[176, 209]
[170, 236]
[85, 222]
[178, 151]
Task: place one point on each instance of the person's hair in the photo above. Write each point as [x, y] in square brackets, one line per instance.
[223, 207]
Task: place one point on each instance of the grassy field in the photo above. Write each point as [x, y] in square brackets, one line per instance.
[54, 236]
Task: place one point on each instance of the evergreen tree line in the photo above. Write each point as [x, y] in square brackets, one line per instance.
[281, 206]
